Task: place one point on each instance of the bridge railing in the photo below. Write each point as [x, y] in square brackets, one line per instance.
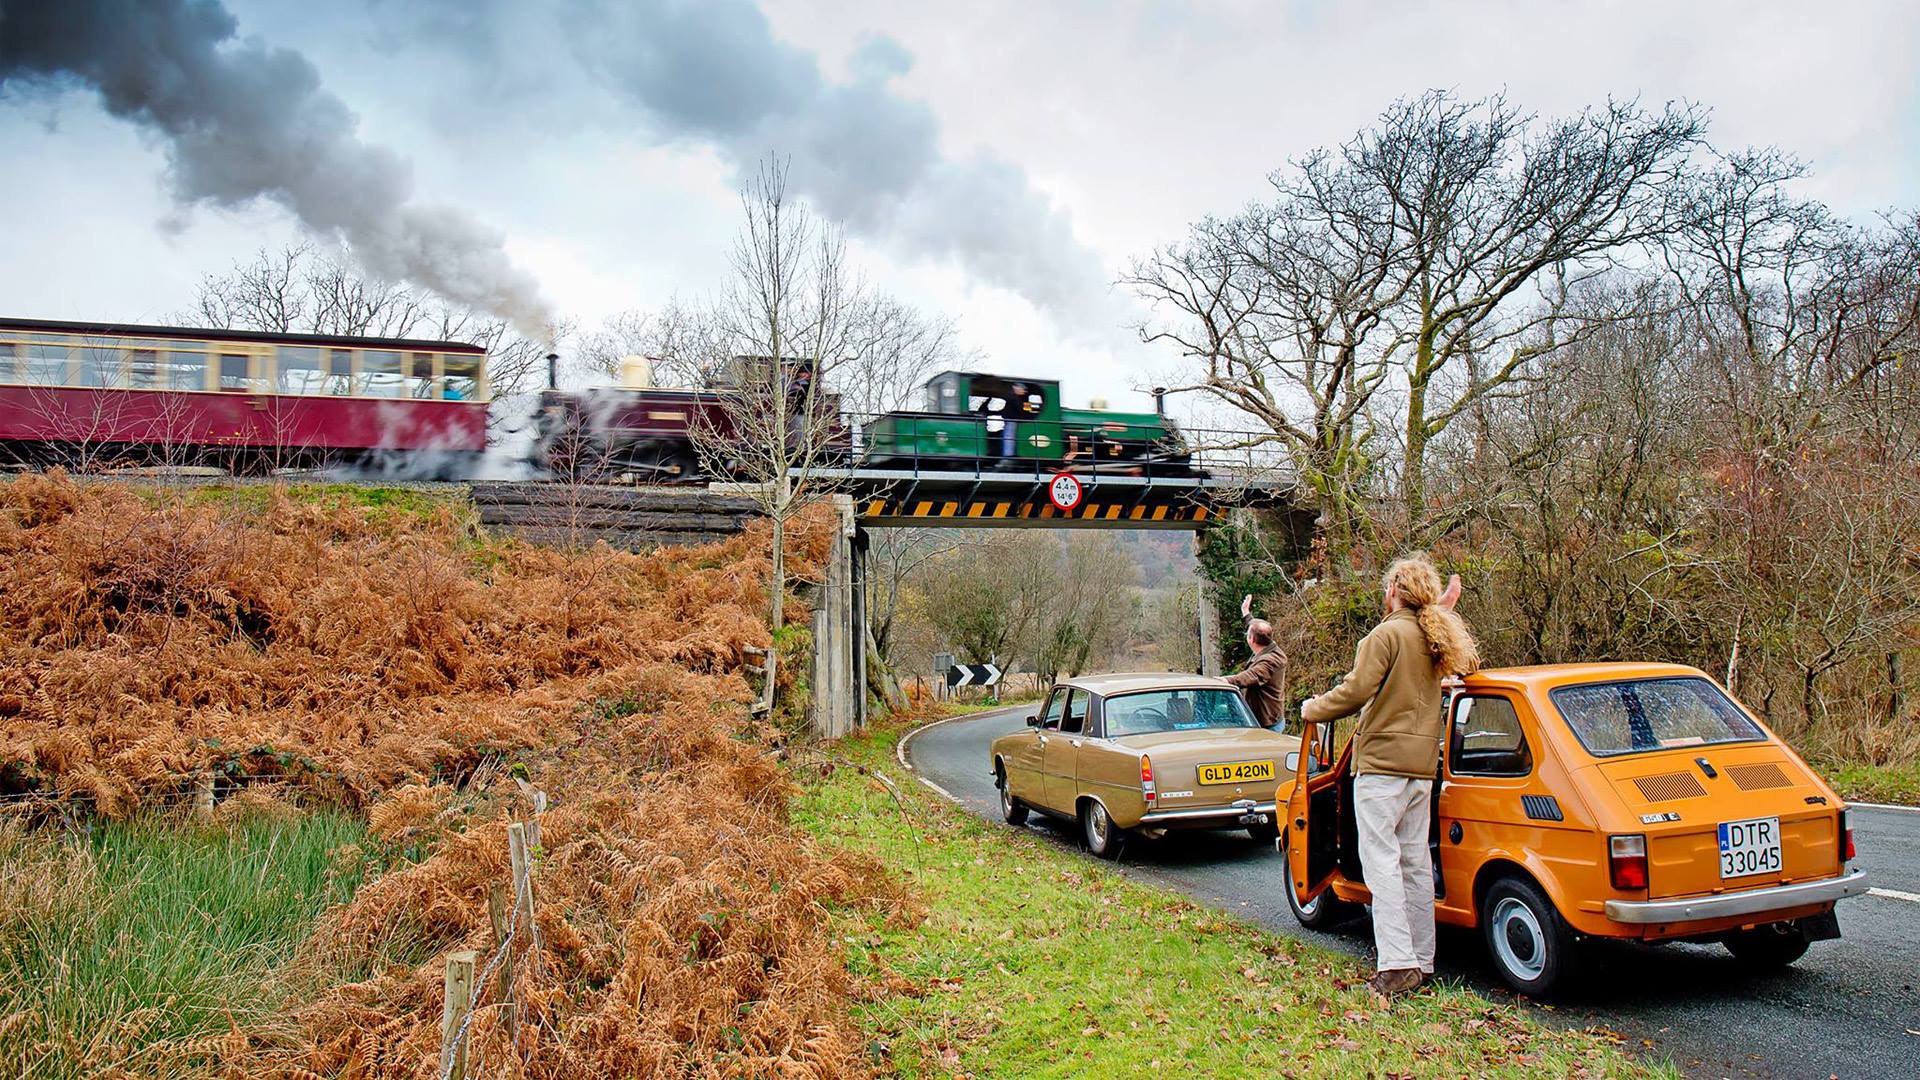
[930, 444]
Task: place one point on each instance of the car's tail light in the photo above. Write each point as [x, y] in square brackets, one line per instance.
[1846, 838]
[1627, 861]
[1146, 778]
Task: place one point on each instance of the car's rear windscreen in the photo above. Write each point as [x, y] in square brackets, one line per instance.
[1639, 715]
[1151, 711]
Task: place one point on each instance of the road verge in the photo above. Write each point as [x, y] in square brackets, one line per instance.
[1034, 961]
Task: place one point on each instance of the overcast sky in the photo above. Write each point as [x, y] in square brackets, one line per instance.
[997, 161]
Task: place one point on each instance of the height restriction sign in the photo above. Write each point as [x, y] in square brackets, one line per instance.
[1064, 490]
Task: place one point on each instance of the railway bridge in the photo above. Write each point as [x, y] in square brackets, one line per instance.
[868, 498]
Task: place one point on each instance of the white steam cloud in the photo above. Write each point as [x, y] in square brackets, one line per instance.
[712, 72]
[241, 121]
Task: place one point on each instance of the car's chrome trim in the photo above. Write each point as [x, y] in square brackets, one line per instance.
[1229, 812]
[1750, 902]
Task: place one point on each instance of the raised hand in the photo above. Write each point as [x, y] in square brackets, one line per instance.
[1246, 605]
[1452, 594]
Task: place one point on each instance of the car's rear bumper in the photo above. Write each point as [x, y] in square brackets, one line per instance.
[1751, 902]
[1209, 815]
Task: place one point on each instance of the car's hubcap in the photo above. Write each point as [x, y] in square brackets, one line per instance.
[1006, 798]
[1518, 939]
[1097, 825]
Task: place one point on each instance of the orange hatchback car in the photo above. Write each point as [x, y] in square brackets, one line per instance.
[1596, 800]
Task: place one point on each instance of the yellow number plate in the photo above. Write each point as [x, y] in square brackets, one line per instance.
[1238, 772]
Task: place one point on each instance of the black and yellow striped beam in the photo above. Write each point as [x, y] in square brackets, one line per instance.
[1000, 512]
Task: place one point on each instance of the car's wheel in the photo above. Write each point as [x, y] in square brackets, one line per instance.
[1765, 948]
[1102, 835]
[1319, 913]
[1531, 945]
[1012, 809]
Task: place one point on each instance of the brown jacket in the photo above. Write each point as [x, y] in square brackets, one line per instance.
[1264, 684]
[1395, 688]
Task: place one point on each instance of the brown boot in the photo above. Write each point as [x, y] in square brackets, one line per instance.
[1390, 984]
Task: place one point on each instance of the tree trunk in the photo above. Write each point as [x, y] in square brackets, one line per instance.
[1413, 478]
[880, 680]
[778, 585]
[1896, 685]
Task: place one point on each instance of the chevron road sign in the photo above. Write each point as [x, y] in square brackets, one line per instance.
[972, 675]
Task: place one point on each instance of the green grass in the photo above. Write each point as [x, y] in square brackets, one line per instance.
[1897, 784]
[115, 941]
[1034, 961]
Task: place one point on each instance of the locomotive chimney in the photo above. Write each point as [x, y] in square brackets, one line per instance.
[1160, 400]
[553, 371]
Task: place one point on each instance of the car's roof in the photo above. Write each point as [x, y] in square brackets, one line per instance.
[1548, 676]
[1121, 682]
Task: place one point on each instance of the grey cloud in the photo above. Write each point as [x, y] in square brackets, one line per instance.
[713, 73]
[241, 121]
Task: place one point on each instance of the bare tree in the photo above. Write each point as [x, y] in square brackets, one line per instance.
[794, 332]
[299, 289]
[1433, 256]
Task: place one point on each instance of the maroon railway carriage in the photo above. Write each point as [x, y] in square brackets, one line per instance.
[105, 395]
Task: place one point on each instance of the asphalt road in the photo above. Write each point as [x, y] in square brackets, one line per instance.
[1849, 1008]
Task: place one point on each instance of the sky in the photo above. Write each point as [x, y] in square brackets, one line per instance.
[998, 162]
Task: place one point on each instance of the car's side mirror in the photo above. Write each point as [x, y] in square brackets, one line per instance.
[1293, 761]
[1033, 721]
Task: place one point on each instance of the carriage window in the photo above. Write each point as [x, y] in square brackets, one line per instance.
[185, 370]
[303, 370]
[380, 374]
[143, 369]
[234, 374]
[1487, 739]
[339, 372]
[100, 364]
[43, 361]
[9, 365]
[420, 375]
[462, 379]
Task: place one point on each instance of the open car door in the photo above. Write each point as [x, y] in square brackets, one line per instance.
[1313, 813]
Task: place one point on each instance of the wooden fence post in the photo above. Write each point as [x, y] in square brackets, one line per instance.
[522, 860]
[497, 914]
[203, 794]
[453, 1013]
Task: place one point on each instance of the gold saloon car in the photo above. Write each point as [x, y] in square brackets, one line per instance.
[1123, 755]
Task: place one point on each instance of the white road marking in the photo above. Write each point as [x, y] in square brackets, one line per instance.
[900, 750]
[955, 799]
[1886, 806]
[1895, 894]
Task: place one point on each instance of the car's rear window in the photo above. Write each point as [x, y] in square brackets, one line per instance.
[1176, 710]
[1652, 714]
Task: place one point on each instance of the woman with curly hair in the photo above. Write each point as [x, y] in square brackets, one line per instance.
[1395, 687]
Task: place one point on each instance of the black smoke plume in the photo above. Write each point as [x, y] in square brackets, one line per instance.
[242, 121]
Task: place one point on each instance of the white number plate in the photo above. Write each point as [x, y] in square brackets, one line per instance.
[1750, 847]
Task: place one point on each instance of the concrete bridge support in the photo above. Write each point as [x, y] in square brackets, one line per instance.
[837, 678]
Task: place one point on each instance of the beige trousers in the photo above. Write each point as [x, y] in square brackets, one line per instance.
[1394, 813]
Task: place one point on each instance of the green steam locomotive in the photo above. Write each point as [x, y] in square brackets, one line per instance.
[1003, 423]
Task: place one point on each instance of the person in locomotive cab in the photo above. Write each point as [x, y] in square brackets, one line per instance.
[1395, 687]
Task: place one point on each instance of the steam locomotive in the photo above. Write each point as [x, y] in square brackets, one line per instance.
[968, 421]
[113, 394]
